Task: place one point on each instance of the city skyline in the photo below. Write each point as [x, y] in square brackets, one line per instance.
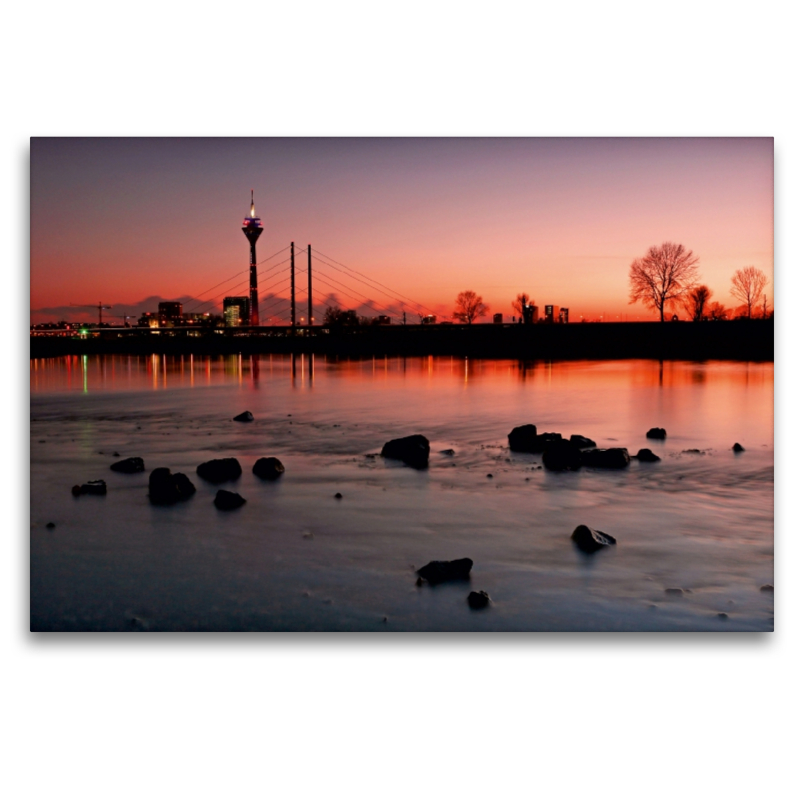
[135, 221]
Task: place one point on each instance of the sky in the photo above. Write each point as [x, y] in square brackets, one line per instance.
[129, 222]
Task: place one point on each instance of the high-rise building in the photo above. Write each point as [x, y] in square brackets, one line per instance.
[548, 313]
[252, 229]
[170, 314]
[236, 311]
[563, 315]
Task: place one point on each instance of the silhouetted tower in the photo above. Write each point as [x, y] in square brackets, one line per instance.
[252, 229]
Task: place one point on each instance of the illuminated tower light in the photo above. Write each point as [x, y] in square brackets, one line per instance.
[252, 229]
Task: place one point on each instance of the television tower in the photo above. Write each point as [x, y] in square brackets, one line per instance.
[252, 229]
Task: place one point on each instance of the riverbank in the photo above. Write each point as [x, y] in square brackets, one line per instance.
[747, 340]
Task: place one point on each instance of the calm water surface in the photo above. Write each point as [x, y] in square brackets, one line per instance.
[295, 558]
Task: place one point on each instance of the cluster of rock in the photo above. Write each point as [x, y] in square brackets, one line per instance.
[578, 451]
[436, 572]
[90, 487]
[412, 450]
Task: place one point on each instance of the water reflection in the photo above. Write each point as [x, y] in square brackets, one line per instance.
[161, 373]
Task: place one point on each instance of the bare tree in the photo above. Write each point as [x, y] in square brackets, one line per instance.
[696, 301]
[469, 306]
[747, 286]
[523, 299]
[663, 276]
[717, 312]
[766, 309]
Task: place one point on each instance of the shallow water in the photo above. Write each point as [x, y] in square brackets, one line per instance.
[295, 558]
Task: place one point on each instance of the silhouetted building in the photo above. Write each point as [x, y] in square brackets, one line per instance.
[383, 320]
[497, 319]
[148, 320]
[170, 314]
[530, 314]
[252, 229]
[563, 315]
[429, 320]
[236, 311]
[549, 311]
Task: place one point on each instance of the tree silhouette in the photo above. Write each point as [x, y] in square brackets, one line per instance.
[335, 316]
[469, 306]
[663, 276]
[747, 286]
[717, 312]
[523, 299]
[696, 301]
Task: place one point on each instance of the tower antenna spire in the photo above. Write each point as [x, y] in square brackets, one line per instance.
[252, 229]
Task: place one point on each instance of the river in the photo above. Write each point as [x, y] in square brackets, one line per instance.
[296, 558]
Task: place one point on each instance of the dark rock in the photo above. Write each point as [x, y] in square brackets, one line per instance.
[656, 433]
[478, 600]
[610, 458]
[227, 501]
[561, 455]
[269, 469]
[440, 571]
[767, 587]
[722, 615]
[166, 488]
[590, 540]
[220, 469]
[338, 495]
[52, 525]
[694, 451]
[737, 448]
[582, 441]
[677, 592]
[412, 450]
[489, 475]
[245, 416]
[115, 454]
[90, 487]
[646, 455]
[128, 465]
[448, 452]
[524, 439]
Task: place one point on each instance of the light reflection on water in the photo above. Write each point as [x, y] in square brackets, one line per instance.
[701, 521]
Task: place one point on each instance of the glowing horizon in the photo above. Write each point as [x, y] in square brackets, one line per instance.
[561, 219]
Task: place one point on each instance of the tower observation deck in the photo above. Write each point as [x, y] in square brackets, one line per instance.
[252, 229]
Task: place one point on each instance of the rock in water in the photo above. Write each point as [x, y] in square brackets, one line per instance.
[269, 469]
[129, 465]
[561, 456]
[441, 571]
[524, 439]
[90, 487]
[590, 540]
[478, 600]
[656, 433]
[245, 416]
[737, 448]
[646, 455]
[610, 458]
[582, 441]
[767, 587]
[412, 450]
[166, 488]
[227, 501]
[220, 469]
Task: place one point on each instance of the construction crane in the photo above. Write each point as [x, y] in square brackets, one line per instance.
[100, 308]
[124, 318]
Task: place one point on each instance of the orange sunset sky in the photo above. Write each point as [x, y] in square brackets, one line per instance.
[131, 221]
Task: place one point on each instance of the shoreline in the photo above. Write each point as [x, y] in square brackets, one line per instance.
[742, 340]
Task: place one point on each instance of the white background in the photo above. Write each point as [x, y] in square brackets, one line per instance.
[618, 716]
